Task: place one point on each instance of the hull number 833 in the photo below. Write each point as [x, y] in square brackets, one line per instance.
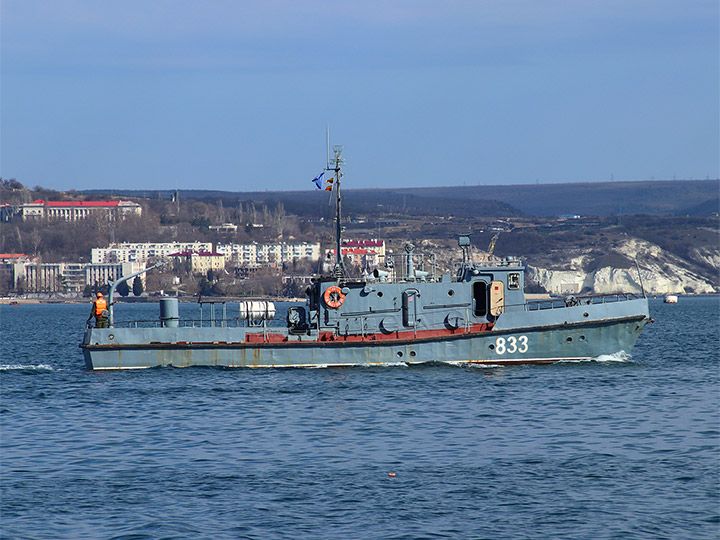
[511, 344]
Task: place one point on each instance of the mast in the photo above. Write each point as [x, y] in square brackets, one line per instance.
[335, 166]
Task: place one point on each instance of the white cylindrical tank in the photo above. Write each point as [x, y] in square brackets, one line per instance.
[256, 310]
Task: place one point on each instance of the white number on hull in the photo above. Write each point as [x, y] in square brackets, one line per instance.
[511, 344]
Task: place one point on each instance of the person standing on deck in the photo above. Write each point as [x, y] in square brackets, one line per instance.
[99, 311]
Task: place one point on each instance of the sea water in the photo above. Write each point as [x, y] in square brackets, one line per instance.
[619, 448]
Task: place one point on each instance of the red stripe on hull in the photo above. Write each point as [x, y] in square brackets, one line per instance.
[406, 335]
[325, 337]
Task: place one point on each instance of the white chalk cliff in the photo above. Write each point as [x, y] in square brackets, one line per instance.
[661, 272]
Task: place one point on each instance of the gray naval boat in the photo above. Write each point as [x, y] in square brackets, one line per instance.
[404, 312]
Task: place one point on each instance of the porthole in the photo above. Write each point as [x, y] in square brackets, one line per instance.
[569, 340]
[582, 338]
[399, 354]
[380, 294]
[451, 292]
[586, 314]
[412, 353]
[111, 337]
[491, 347]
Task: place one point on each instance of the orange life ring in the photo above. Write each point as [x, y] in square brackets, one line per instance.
[334, 297]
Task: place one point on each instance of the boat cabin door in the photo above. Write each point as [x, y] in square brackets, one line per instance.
[480, 298]
[497, 298]
[409, 307]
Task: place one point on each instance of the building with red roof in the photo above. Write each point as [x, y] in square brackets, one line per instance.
[76, 210]
[372, 246]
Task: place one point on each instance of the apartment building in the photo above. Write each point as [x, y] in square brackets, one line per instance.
[12, 268]
[268, 254]
[141, 252]
[107, 272]
[200, 263]
[59, 277]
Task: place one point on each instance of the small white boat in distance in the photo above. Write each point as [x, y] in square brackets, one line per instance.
[671, 299]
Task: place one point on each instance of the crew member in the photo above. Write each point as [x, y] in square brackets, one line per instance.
[99, 311]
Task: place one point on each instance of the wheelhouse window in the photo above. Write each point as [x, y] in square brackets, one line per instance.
[513, 280]
[480, 300]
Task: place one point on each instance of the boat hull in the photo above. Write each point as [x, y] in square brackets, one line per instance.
[111, 349]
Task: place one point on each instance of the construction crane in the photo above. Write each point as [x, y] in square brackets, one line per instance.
[491, 247]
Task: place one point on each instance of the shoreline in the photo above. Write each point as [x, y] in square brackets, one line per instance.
[151, 300]
[235, 299]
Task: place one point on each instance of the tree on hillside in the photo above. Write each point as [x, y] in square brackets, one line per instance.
[123, 289]
[204, 287]
[137, 287]
[10, 183]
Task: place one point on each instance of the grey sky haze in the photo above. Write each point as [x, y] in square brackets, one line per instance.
[236, 95]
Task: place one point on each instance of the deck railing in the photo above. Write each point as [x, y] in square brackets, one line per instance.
[197, 323]
[184, 323]
[570, 301]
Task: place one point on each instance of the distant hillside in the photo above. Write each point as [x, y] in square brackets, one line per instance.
[666, 198]
[706, 208]
[368, 202]
[662, 198]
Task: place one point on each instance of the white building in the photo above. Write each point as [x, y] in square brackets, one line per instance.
[67, 277]
[12, 267]
[225, 227]
[141, 252]
[43, 277]
[75, 210]
[263, 254]
[105, 273]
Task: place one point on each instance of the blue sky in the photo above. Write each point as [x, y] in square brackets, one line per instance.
[236, 95]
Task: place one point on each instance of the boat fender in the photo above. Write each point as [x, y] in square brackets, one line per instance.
[334, 297]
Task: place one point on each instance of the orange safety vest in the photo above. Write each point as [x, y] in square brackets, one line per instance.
[100, 306]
